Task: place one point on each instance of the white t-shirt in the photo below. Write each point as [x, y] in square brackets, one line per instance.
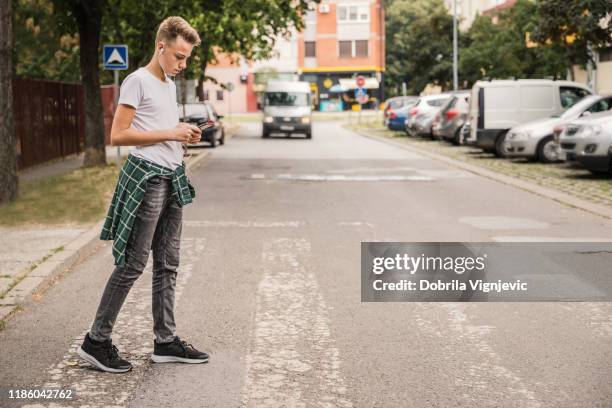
[156, 109]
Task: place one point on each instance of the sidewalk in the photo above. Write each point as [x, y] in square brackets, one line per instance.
[61, 166]
[32, 256]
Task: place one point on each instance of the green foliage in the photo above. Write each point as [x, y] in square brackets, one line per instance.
[46, 43]
[572, 26]
[419, 44]
[500, 50]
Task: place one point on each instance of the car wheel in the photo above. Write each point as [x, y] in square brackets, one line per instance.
[500, 145]
[547, 151]
[265, 135]
[222, 138]
[213, 141]
[456, 140]
[309, 135]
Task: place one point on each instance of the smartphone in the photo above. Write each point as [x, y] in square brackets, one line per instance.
[206, 125]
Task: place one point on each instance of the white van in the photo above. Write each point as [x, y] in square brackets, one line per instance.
[496, 106]
[287, 108]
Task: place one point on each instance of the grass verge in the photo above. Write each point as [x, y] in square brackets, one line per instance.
[79, 196]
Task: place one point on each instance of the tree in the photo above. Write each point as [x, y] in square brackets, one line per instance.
[46, 42]
[88, 17]
[8, 152]
[241, 28]
[573, 27]
[499, 50]
[419, 44]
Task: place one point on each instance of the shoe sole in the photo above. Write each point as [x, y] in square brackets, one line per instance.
[174, 359]
[92, 360]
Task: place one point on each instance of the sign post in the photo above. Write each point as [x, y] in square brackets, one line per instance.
[115, 58]
[230, 88]
[360, 94]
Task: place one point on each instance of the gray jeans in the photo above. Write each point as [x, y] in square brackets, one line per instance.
[157, 226]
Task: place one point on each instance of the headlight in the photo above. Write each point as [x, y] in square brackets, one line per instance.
[306, 119]
[268, 119]
[588, 131]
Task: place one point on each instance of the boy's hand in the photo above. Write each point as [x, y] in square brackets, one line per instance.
[186, 133]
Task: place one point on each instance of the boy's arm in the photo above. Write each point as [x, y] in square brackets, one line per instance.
[122, 133]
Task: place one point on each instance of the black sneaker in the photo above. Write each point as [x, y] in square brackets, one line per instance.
[177, 351]
[103, 355]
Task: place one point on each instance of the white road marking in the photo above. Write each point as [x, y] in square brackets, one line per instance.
[497, 222]
[340, 177]
[244, 224]
[513, 238]
[485, 367]
[133, 335]
[292, 360]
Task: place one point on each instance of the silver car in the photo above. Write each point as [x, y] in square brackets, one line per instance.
[423, 113]
[452, 117]
[536, 139]
[588, 140]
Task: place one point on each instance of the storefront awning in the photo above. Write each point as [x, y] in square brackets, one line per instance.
[349, 83]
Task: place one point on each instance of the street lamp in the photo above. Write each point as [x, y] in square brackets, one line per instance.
[455, 73]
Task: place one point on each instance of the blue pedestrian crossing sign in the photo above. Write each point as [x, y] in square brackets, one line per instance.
[115, 56]
[361, 95]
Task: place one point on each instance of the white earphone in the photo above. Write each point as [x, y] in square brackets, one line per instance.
[161, 51]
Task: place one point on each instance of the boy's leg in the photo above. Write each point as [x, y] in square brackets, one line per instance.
[166, 248]
[136, 256]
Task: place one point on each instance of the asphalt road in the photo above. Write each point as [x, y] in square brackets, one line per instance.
[270, 285]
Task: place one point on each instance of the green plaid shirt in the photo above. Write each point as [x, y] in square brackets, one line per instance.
[130, 192]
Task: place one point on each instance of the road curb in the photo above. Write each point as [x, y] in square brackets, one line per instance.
[45, 273]
[536, 189]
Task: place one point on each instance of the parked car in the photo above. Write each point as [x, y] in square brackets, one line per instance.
[588, 140]
[397, 117]
[497, 106]
[452, 117]
[287, 108]
[202, 113]
[397, 102]
[423, 113]
[536, 139]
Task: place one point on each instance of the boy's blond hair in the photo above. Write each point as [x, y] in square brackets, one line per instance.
[175, 26]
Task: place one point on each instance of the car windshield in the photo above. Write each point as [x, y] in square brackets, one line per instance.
[286, 99]
[578, 108]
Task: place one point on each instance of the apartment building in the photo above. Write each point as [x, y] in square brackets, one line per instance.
[343, 39]
[467, 10]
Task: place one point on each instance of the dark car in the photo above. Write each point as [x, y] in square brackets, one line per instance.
[205, 112]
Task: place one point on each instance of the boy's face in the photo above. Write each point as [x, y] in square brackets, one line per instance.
[173, 59]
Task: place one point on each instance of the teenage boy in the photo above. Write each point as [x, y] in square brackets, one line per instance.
[146, 210]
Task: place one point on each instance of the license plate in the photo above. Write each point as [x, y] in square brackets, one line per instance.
[287, 128]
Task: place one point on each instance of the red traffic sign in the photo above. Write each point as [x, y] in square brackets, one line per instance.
[360, 81]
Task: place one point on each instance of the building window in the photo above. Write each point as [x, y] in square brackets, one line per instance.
[206, 96]
[345, 49]
[361, 48]
[354, 13]
[219, 95]
[605, 54]
[310, 49]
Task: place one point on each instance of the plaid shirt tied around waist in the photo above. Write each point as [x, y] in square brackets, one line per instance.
[128, 196]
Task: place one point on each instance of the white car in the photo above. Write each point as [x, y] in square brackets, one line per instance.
[588, 140]
[536, 139]
[423, 113]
